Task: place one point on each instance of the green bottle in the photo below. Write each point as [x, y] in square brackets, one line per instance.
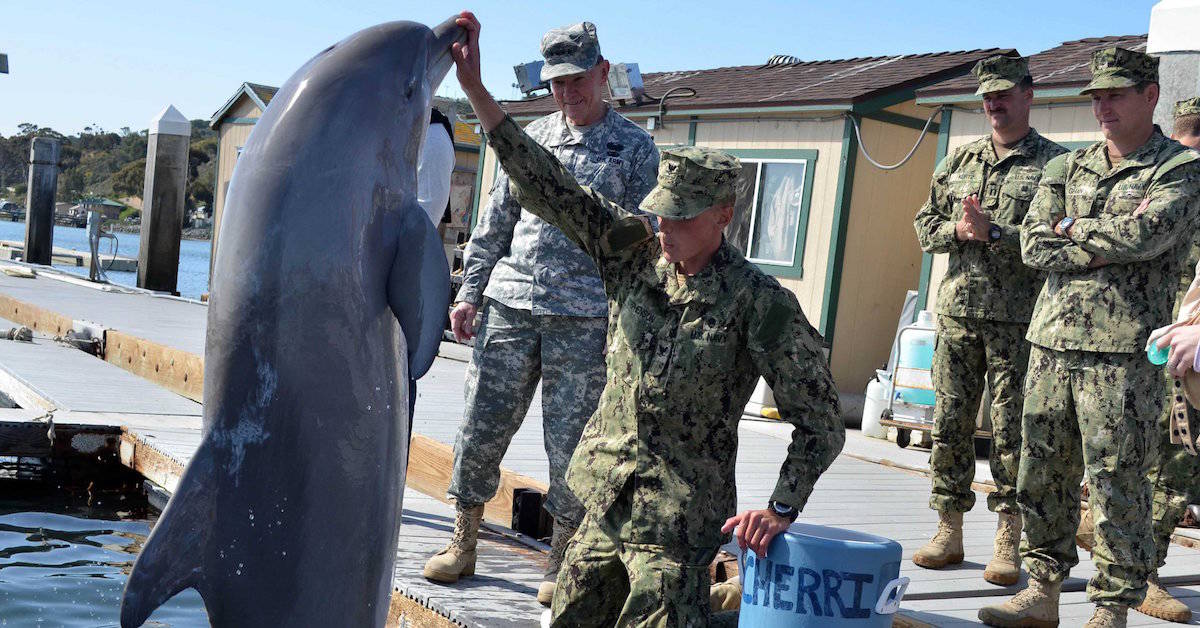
[1157, 356]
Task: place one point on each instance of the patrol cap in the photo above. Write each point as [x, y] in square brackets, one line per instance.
[1000, 72]
[570, 50]
[1189, 107]
[1115, 68]
[692, 180]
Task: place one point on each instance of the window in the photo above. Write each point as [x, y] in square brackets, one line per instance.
[771, 213]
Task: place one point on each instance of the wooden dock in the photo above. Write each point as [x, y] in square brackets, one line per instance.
[13, 250]
[141, 401]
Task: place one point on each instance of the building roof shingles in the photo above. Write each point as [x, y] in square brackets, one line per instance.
[835, 82]
[1059, 67]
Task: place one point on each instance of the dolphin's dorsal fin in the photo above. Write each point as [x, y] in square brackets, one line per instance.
[172, 557]
[419, 288]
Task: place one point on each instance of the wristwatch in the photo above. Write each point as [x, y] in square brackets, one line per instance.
[783, 510]
[1064, 225]
[994, 232]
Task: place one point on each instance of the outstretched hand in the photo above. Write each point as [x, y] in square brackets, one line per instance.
[466, 55]
[466, 67]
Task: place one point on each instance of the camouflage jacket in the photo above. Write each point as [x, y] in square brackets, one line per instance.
[1112, 308]
[984, 279]
[684, 354]
[517, 259]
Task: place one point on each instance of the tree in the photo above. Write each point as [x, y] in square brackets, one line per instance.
[130, 180]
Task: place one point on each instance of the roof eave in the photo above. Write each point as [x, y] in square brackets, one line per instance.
[244, 89]
[958, 97]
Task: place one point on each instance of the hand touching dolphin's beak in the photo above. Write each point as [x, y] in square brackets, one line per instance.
[440, 61]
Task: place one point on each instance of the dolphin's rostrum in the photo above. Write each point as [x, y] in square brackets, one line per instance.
[289, 511]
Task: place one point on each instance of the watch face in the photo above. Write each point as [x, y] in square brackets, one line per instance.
[994, 233]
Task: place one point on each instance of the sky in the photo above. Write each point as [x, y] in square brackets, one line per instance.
[118, 63]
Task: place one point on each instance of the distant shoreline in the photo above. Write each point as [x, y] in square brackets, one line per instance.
[188, 234]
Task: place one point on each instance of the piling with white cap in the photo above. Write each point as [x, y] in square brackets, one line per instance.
[163, 201]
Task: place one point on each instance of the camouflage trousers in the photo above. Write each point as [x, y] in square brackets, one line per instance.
[970, 351]
[1175, 478]
[608, 580]
[1097, 411]
[513, 350]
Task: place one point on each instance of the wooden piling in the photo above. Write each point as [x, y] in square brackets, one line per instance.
[43, 182]
[165, 193]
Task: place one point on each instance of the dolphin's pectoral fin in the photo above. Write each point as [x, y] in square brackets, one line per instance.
[171, 559]
[419, 289]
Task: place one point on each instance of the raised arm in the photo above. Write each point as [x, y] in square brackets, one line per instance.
[538, 181]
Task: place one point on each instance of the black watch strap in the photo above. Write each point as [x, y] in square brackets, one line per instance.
[783, 510]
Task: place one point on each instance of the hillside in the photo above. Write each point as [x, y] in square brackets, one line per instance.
[96, 162]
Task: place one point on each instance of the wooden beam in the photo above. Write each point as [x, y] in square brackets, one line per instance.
[34, 317]
[430, 464]
[174, 369]
[406, 612]
[153, 464]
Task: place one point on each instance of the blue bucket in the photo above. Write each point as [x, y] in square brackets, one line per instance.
[820, 576]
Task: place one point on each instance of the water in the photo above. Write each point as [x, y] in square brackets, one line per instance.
[193, 255]
[64, 563]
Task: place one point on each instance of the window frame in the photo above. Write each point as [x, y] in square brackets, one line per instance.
[794, 269]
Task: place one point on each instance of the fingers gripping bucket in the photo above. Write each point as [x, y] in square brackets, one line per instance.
[820, 576]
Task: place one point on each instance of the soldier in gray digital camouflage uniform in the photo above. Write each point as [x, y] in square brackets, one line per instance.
[1105, 225]
[693, 325]
[1176, 476]
[978, 198]
[542, 303]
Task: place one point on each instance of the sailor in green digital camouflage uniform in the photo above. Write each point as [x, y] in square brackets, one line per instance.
[541, 304]
[692, 325]
[978, 198]
[1092, 400]
[1176, 476]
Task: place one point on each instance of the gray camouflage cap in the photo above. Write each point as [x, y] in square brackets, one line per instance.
[1115, 68]
[1189, 107]
[1000, 72]
[692, 180]
[570, 50]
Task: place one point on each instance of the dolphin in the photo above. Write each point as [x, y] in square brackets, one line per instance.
[329, 290]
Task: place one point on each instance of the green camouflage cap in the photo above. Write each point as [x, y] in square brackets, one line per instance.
[1189, 107]
[999, 72]
[690, 181]
[1115, 68]
[570, 50]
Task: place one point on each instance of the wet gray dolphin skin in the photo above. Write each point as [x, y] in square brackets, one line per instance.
[330, 288]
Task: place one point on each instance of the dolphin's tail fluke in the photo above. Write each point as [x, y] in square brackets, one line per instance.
[171, 559]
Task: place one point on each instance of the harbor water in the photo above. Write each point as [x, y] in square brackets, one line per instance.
[64, 563]
[193, 255]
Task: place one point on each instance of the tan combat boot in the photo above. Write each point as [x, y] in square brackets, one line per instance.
[725, 596]
[1005, 567]
[458, 558]
[1108, 617]
[559, 538]
[946, 547]
[1035, 606]
[1161, 604]
[1085, 536]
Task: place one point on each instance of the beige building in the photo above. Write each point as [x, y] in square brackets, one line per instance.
[237, 117]
[1059, 113]
[812, 210]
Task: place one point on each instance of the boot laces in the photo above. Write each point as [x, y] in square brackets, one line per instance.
[1029, 596]
[945, 529]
